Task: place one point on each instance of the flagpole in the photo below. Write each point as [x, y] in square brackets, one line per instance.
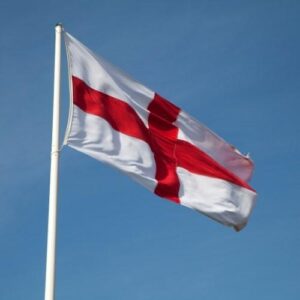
[52, 215]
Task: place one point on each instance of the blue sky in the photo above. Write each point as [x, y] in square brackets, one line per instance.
[234, 65]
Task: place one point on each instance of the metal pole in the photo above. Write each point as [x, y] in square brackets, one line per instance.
[51, 238]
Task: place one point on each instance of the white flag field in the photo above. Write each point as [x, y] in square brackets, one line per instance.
[119, 121]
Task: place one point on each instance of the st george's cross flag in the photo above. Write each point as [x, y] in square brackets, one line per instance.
[119, 121]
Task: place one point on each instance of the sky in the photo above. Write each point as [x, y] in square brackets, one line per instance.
[233, 65]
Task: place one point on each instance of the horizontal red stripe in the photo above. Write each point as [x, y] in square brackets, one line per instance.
[121, 116]
[196, 161]
[161, 137]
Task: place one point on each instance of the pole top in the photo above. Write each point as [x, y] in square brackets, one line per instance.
[59, 27]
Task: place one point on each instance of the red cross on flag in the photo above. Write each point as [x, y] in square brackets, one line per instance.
[118, 121]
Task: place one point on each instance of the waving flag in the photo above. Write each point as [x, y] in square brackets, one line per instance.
[116, 120]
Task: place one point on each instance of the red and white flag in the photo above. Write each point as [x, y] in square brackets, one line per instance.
[117, 120]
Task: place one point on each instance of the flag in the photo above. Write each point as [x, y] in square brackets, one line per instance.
[119, 121]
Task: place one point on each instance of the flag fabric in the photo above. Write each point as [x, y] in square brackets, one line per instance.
[119, 121]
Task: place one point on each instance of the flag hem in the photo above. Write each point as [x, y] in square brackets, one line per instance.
[71, 104]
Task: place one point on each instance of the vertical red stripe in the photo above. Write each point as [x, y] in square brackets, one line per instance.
[163, 135]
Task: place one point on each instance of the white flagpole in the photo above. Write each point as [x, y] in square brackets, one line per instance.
[51, 238]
